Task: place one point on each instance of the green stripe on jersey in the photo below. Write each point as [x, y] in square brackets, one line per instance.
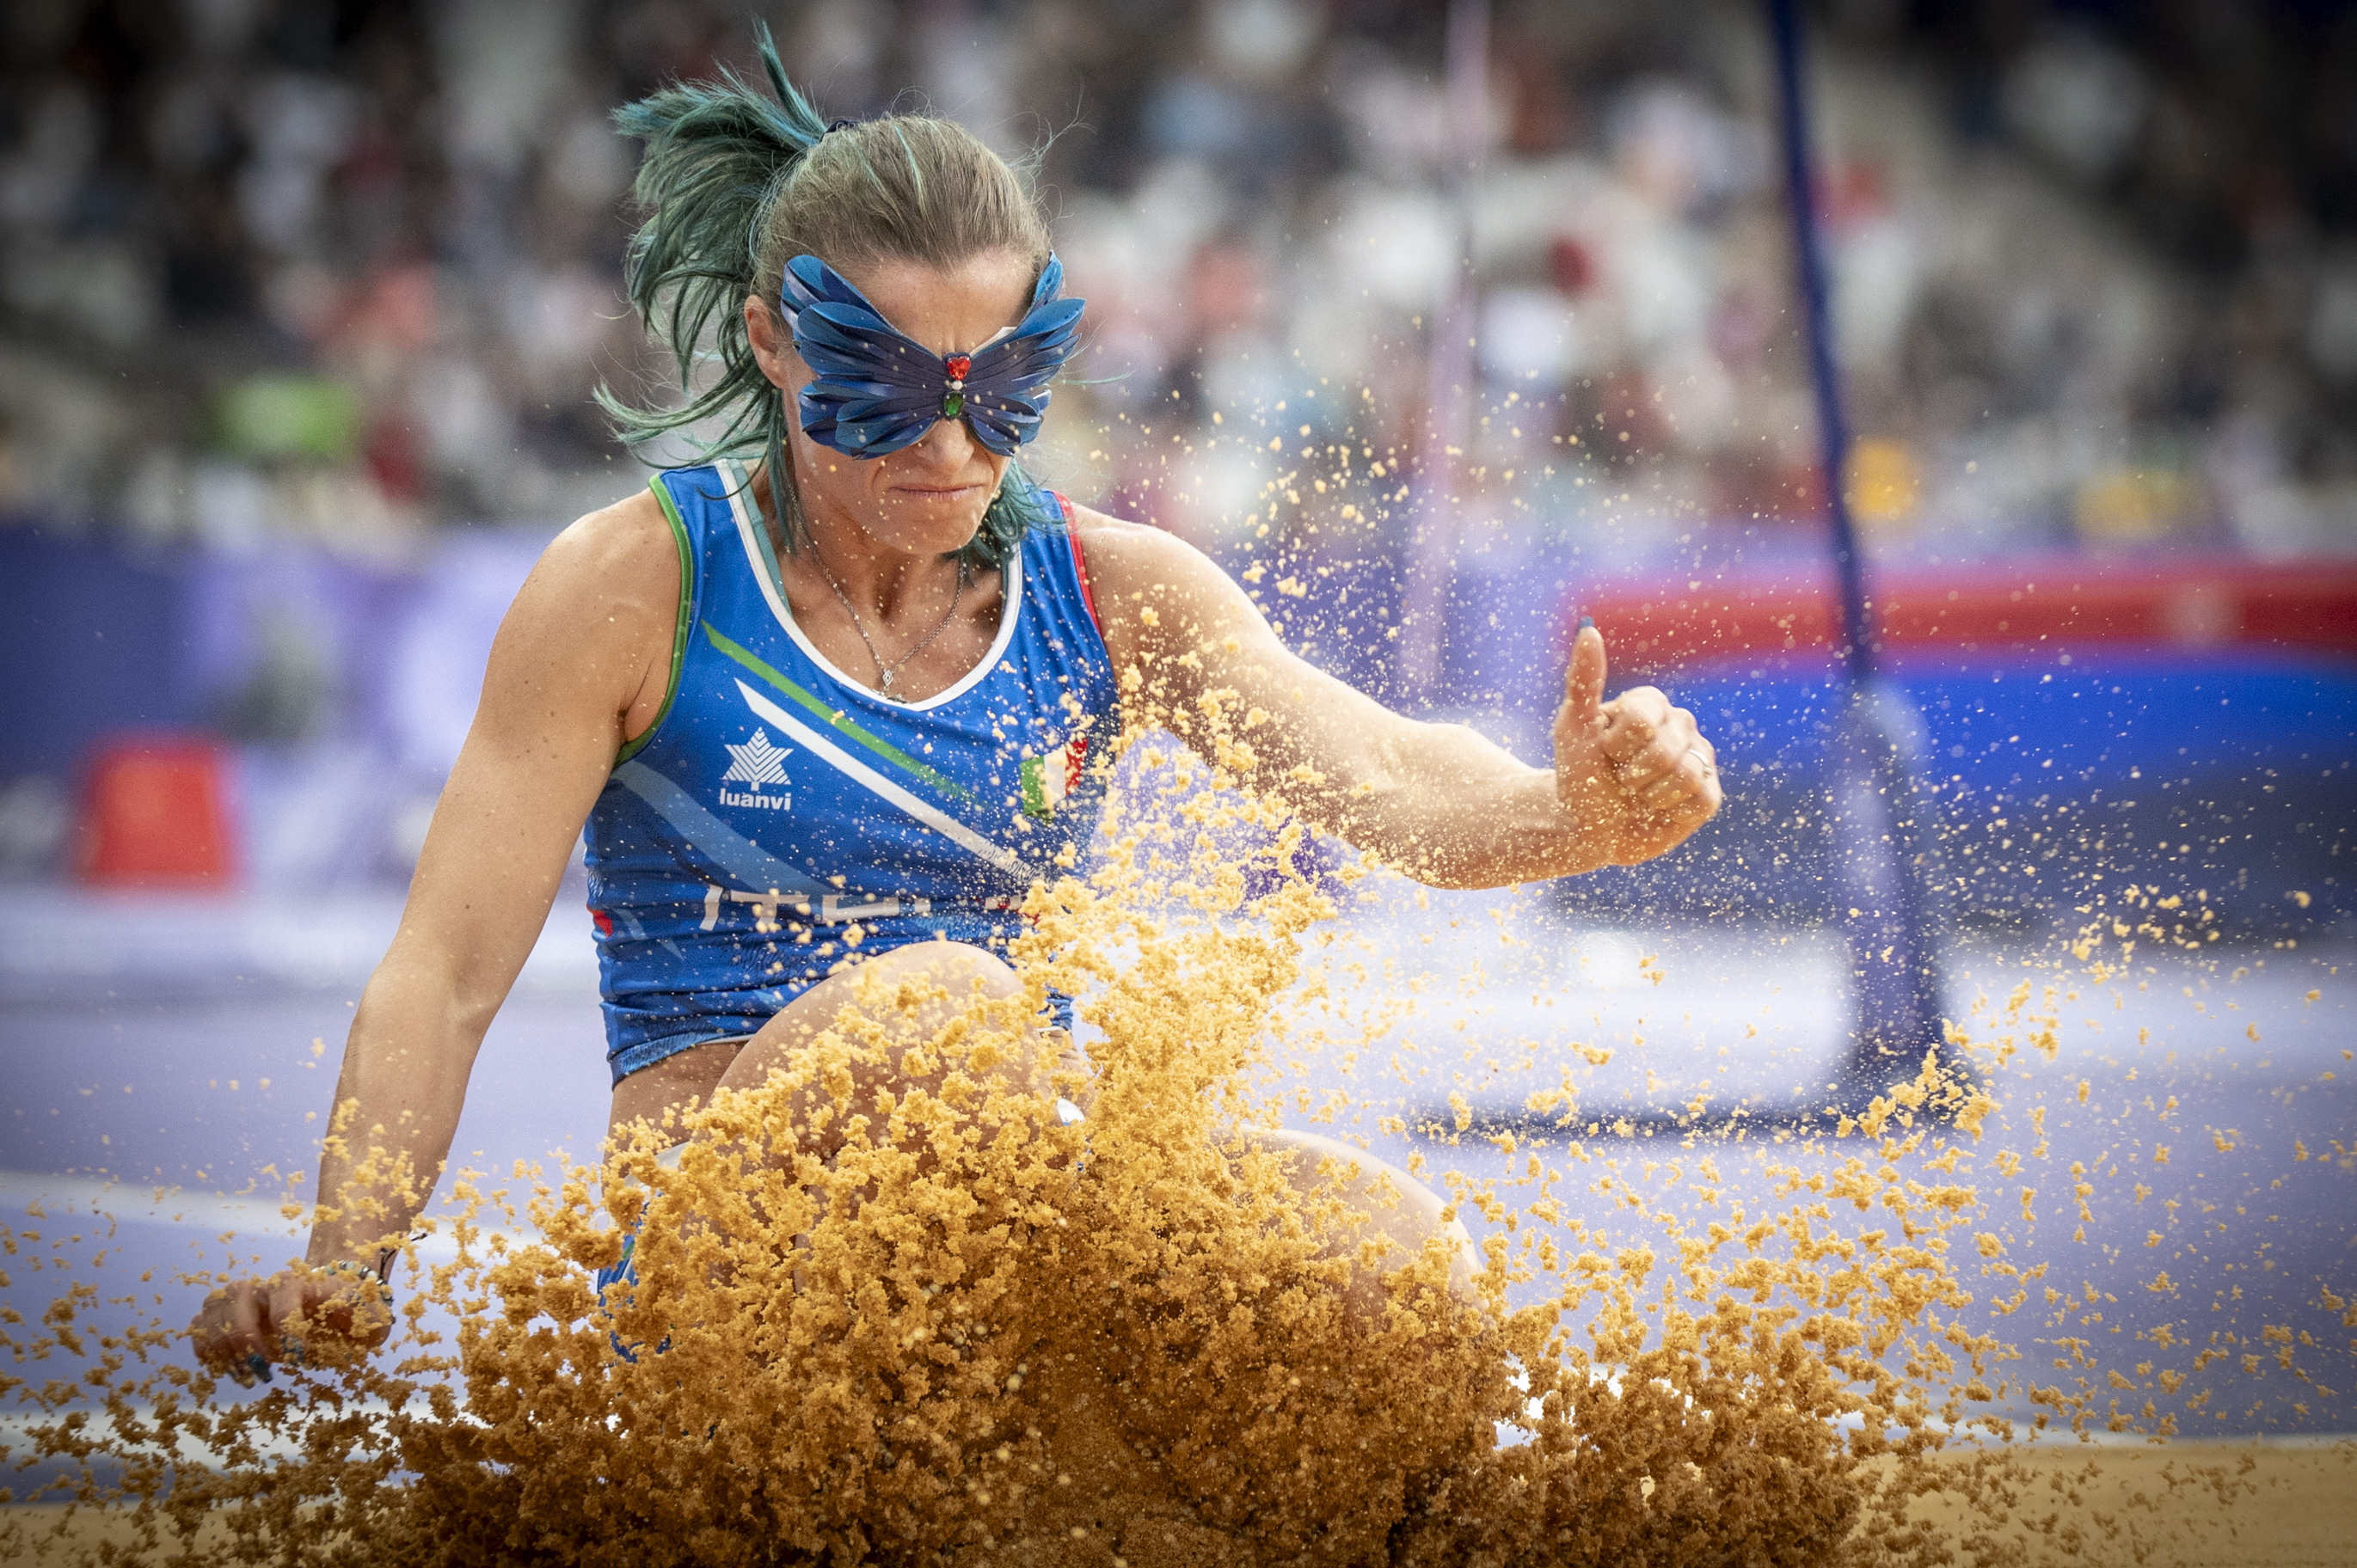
[834, 717]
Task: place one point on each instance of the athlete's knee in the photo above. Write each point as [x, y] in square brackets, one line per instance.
[960, 969]
[1391, 1204]
[919, 991]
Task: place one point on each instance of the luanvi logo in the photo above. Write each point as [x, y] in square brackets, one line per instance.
[756, 762]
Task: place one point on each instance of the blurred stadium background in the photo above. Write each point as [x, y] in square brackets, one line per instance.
[301, 305]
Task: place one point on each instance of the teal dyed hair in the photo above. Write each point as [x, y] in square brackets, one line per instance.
[735, 184]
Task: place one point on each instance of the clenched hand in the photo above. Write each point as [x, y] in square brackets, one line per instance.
[319, 1315]
[1634, 773]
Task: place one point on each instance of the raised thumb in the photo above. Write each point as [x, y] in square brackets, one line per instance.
[1583, 683]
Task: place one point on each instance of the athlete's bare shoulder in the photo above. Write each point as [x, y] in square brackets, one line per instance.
[616, 568]
[1156, 593]
[1117, 539]
[616, 546]
[1137, 562]
[599, 609]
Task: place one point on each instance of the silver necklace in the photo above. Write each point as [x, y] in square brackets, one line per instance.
[886, 673]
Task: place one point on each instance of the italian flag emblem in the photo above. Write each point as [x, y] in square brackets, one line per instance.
[1048, 780]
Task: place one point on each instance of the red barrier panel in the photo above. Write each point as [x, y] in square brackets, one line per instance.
[155, 813]
[2056, 604]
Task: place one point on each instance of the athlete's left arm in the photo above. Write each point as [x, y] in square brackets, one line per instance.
[1633, 777]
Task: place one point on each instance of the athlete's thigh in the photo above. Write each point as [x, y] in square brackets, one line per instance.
[948, 977]
[1397, 1205]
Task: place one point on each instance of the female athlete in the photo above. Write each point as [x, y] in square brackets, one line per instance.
[832, 702]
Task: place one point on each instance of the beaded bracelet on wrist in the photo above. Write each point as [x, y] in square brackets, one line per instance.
[375, 1276]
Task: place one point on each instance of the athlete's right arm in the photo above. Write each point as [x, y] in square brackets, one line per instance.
[581, 661]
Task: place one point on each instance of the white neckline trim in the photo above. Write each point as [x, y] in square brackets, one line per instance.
[1011, 581]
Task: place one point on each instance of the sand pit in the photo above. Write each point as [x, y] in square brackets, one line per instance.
[972, 1333]
[58, 1532]
[2180, 1505]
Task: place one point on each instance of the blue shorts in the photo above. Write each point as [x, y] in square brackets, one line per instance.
[623, 1272]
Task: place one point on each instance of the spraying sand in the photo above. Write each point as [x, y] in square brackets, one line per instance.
[978, 1334]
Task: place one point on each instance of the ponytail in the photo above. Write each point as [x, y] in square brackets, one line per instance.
[715, 156]
[732, 189]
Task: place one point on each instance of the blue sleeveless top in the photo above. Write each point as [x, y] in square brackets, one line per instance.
[779, 820]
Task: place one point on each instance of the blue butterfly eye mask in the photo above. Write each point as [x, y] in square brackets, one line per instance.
[876, 390]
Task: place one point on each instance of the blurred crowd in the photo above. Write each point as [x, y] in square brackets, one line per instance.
[347, 270]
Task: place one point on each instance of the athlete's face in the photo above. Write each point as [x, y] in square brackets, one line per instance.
[929, 496]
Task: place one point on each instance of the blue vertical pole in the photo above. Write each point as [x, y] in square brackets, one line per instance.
[1881, 833]
[1833, 426]
[1454, 371]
